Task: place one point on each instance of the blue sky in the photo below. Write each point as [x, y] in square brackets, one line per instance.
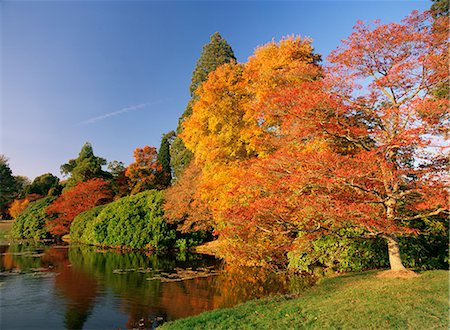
[117, 73]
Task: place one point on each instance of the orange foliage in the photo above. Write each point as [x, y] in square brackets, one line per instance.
[17, 207]
[142, 174]
[236, 117]
[183, 206]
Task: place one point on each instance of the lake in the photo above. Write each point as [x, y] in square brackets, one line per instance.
[83, 287]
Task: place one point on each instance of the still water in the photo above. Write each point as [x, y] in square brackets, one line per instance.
[81, 287]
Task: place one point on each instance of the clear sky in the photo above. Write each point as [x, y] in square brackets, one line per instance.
[117, 73]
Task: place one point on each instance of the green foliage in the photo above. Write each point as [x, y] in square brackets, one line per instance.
[45, 184]
[22, 185]
[78, 228]
[214, 54]
[8, 186]
[190, 239]
[338, 253]
[86, 166]
[429, 250]
[30, 224]
[440, 7]
[164, 176]
[135, 221]
[180, 157]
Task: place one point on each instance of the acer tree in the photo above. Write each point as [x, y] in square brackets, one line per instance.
[396, 174]
[82, 197]
[143, 172]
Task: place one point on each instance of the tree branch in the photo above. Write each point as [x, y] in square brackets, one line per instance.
[420, 216]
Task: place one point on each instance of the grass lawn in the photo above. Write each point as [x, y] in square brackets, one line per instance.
[5, 229]
[353, 301]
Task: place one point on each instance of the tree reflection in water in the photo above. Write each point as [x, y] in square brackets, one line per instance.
[85, 273]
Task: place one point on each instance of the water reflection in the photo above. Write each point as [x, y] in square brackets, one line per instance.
[110, 289]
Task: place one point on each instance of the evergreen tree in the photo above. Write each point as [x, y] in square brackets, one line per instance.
[8, 186]
[165, 174]
[43, 184]
[214, 54]
[86, 166]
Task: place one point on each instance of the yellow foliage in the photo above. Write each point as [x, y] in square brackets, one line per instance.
[236, 115]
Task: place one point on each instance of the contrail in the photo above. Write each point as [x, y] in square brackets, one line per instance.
[118, 112]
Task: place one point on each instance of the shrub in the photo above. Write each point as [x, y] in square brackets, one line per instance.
[425, 251]
[82, 225]
[134, 221]
[339, 254]
[31, 222]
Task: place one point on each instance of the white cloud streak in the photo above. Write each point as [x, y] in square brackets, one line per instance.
[118, 112]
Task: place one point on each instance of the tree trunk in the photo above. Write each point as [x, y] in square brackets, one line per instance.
[395, 259]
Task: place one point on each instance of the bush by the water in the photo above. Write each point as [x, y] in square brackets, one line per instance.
[30, 224]
[134, 221]
[81, 229]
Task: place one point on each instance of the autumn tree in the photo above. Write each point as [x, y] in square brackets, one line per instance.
[85, 167]
[84, 196]
[142, 173]
[238, 120]
[396, 175]
[183, 204]
[17, 207]
[352, 161]
[214, 54]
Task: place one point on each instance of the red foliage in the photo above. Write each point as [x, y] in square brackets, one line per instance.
[80, 198]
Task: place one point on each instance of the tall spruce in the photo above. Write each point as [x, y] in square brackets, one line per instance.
[165, 174]
[214, 54]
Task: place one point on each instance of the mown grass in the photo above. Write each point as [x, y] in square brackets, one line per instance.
[353, 301]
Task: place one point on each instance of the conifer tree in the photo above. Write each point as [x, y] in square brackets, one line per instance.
[165, 174]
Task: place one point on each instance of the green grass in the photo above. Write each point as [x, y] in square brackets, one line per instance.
[5, 230]
[353, 301]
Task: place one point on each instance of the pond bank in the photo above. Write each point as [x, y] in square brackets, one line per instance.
[352, 301]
